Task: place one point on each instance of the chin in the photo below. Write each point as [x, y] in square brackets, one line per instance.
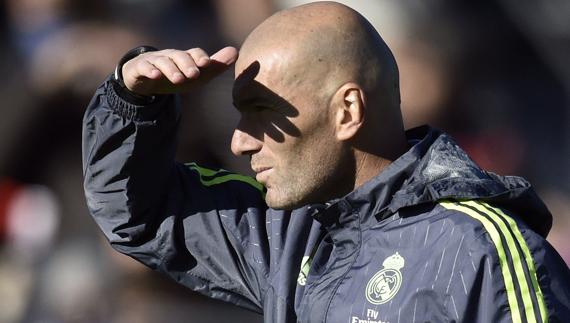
[282, 202]
[287, 203]
[277, 205]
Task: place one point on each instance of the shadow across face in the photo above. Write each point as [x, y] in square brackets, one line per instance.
[263, 112]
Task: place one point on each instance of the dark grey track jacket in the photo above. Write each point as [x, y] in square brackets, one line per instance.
[433, 238]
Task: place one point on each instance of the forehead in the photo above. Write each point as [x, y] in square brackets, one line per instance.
[271, 62]
[256, 75]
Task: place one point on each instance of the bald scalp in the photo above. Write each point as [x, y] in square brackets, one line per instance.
[325, 45]
[325, 63]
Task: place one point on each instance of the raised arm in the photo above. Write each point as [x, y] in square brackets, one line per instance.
[190, 222]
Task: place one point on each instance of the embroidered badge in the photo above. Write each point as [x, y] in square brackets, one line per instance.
[384, 285]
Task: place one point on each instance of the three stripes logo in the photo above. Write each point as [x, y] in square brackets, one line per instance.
[524, 295]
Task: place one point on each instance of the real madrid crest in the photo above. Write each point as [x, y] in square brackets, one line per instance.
[384, 285]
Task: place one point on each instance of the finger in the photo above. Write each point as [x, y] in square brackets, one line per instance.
[219, 62]
[201, 58]
[227, 55]
[146, 69]
[134, 71]
[167, 67]
[185, 63]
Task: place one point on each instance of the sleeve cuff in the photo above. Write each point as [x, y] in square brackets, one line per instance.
[132, 106]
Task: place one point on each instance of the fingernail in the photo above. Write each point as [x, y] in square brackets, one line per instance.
[178, 75]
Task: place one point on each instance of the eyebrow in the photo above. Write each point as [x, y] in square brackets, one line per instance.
[240, 95]
[247, 92]
[253, 100]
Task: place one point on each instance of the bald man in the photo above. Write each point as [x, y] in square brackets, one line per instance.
[349, 217]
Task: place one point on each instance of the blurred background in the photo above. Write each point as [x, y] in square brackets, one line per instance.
[493, 73]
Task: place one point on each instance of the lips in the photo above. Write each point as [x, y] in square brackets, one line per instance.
[260, 169]
[261, 173]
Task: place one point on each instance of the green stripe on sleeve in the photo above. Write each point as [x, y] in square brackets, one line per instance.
[203, 170]
[222, 176]
[496, 238]
[529, 261]
[516, 258]
[232, 177]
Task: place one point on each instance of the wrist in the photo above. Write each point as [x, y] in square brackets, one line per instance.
[123, 90]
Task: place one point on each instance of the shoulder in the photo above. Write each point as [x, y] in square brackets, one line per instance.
[520, 261]
[484, 230]
[466, 250]
[494, 227]
[488, 229]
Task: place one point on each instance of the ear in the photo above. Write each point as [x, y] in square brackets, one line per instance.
[349, 105]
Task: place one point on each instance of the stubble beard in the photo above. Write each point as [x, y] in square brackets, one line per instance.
[318, 182]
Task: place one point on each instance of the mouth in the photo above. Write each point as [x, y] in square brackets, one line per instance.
[261, 173]
[259, 169]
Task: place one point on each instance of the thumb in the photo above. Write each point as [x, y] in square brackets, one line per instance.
[227, 55]
[219, 62]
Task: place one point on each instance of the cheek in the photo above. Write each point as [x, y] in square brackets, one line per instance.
[305, 173]
[305, 152]
[317, 144]
[312, 159]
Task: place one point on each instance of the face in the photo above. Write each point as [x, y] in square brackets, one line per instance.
[287, 130]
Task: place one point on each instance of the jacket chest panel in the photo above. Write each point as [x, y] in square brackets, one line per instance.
[331, 263]
[397, 277]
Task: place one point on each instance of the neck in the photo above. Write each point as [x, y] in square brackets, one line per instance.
[369, 165]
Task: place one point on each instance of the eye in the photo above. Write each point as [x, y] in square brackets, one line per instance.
[262, 110]
[259, 113]
[269, 108]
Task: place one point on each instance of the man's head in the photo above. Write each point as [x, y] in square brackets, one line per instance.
[318, 93]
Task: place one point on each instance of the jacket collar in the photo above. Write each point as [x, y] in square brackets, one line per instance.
[376, 194]
[433, 169]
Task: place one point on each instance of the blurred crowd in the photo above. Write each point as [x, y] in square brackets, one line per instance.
[493, 73]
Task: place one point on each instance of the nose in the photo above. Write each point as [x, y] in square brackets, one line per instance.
[244, 143]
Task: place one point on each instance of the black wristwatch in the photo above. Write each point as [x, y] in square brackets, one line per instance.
[118, 76]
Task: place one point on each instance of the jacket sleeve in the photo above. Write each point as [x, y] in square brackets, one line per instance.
[204, 228]
[510, 274]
